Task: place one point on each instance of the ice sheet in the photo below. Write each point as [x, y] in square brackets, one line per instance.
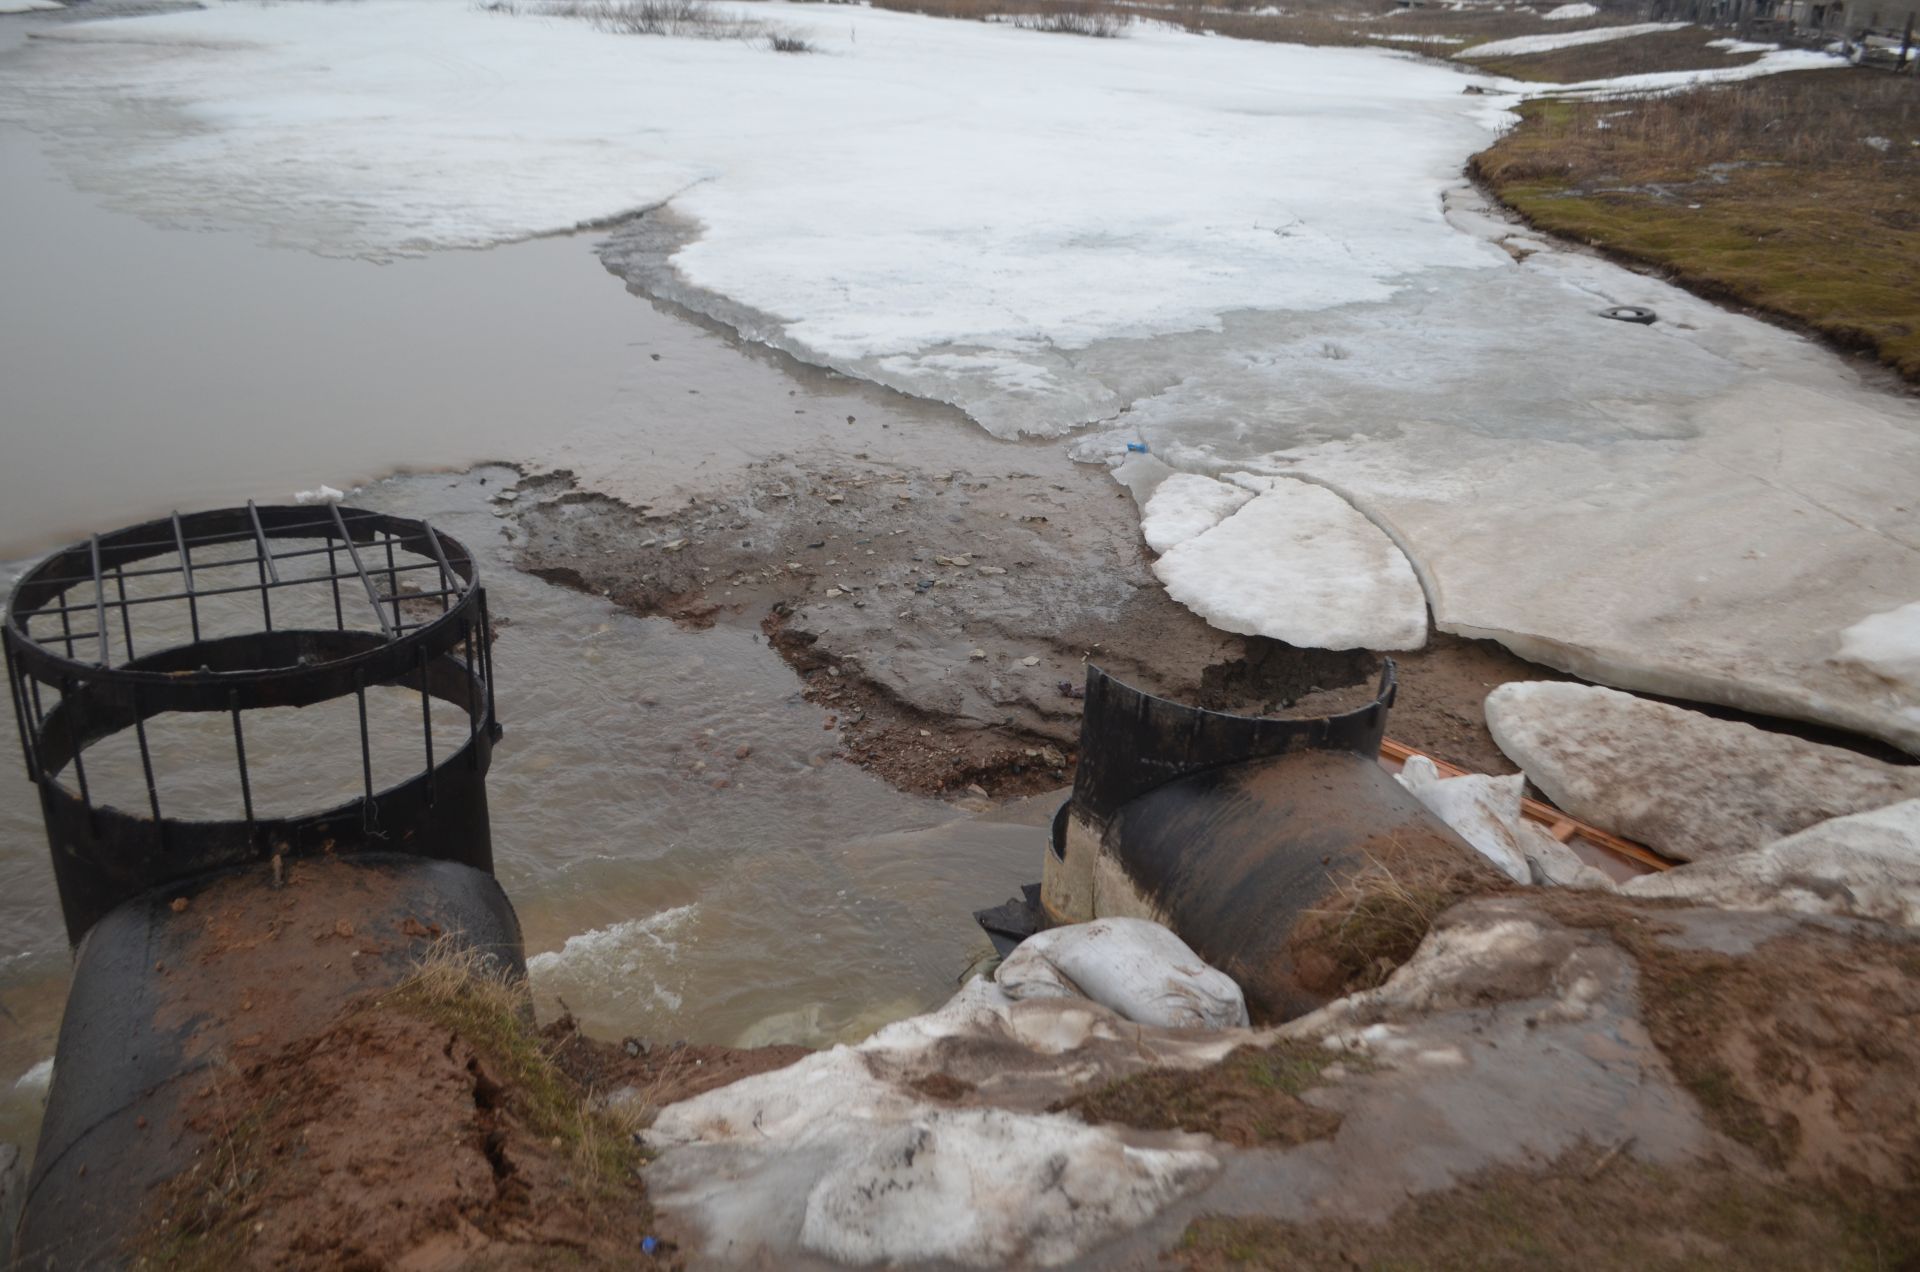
[1186, 504]
[1300, 565]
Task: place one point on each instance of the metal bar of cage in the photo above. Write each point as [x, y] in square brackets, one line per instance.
[186, 574]
[373, 596]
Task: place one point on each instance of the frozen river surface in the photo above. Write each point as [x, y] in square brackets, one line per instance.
[1257, 260]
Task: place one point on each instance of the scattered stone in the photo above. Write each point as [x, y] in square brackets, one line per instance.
[991, 569]
[1029, 661]
[674, 546]
[1683, 783]
[978, 655]
[742, 752]
[179, 905]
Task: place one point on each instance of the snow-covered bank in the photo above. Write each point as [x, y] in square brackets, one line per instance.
[1240, 246]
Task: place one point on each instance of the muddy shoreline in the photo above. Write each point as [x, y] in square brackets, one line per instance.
[945, 617]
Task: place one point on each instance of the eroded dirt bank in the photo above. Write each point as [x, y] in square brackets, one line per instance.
[944, 616]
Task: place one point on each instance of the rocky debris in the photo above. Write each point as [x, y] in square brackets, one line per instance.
[1134, 967]
[1683, 783]
[1485, 811]
[1301, 565]
[1864, 866]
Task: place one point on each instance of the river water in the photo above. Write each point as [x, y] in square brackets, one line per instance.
[147, 368]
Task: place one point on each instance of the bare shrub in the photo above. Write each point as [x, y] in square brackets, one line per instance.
[780, 43]
[690, 18]
[1078, 19]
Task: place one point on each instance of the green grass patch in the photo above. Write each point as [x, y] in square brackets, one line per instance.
[1798, 196]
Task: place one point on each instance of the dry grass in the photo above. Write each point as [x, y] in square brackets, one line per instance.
[1342, 24]
[1250, 1098]
[1767, 192]
[695, 19]
[1377, 918]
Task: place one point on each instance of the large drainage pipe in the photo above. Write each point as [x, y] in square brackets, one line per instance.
[1232, 830]
[200, 941]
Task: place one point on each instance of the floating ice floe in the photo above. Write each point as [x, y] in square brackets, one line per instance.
[1685, 784]
[1864, 866]
[1299, 564]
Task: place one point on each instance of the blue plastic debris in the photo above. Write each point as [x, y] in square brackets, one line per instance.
[649, 1244]
[1138, 448]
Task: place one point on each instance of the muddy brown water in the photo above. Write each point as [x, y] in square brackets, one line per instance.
[148, 368]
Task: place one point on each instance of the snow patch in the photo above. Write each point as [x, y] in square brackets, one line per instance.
[1300, 564]
[29, 6]
[1520, 45]
[840, 1156]
[1562, 13]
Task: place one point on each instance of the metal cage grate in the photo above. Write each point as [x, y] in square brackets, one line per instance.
[236, 611]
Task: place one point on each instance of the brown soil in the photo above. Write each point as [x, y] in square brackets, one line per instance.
[1251, 1098]
[660, 1075]
[1805, 1049]
[1593, 1208]
[402, 1137]
[943, 1087]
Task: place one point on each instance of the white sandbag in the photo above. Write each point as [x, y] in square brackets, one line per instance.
[1485, 811]
[1133, 967]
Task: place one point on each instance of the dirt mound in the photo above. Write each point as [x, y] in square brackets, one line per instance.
[1250, 1098]
[423, 1129]
[659, 1075]
[1593, 1208]
[1804, 1047]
